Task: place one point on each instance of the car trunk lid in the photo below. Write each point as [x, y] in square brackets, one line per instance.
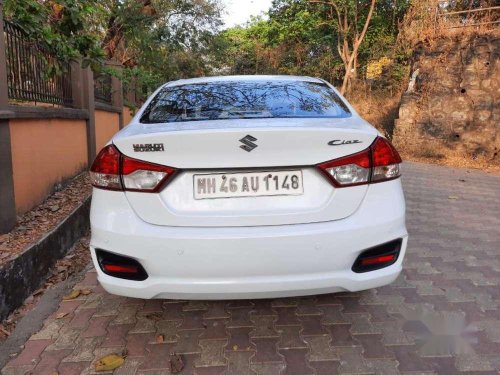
[220, 148]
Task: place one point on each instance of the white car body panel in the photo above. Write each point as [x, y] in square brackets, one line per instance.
[281, 142]
[247, 247]
[175, 206]
[249, 262]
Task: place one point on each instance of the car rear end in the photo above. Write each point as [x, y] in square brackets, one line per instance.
[280, 190]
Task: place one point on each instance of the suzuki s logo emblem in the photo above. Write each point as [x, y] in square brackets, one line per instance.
[248, 144]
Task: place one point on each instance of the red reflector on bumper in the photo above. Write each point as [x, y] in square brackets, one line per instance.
[378, 260]
[120, 269]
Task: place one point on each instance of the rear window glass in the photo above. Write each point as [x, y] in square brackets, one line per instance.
[238, 100]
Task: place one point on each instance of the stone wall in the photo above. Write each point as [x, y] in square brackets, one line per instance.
[454, 107]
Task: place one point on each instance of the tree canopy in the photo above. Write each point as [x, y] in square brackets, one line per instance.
[155, 40]
[161, 40]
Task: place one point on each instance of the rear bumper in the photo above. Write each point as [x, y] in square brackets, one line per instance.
[249, 262]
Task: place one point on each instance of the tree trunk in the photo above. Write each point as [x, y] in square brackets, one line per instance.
[355, 48]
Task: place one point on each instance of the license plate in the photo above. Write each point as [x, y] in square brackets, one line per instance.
[248, 184]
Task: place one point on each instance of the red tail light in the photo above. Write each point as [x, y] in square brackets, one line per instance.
[113, 171]
[350, 170]
[105, 170]
[380, 162]
[386, 161]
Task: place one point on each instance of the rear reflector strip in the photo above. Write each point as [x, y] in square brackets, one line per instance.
[376, 260]
[378, 257]
[120, 266]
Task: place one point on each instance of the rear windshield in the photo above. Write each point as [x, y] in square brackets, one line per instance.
[238, 100]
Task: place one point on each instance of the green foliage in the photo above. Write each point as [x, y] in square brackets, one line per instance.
[61, 26]
[155, 40]
[300, 37]
[162, 40]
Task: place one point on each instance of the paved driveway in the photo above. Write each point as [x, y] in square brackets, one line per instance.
[441, 316]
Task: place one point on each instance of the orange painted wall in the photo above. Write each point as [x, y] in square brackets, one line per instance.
[127, 115]
[106, 125]
[45, 152]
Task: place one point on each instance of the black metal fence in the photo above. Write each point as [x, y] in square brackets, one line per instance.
[33, 74]
[103, 88]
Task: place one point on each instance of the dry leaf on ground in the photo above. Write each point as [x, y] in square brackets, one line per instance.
[36, 223]
[154, 316]
[109, 363]
[176, 363]
[4, 331]
[74, 293]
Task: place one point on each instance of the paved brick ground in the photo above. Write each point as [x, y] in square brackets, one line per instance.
[440, 317]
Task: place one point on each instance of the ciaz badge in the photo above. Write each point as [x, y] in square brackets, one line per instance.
[340, 142]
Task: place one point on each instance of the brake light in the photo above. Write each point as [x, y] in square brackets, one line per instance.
[113, 171]
[105, 170]
[350, 170]
[379, 162]
[386, 160]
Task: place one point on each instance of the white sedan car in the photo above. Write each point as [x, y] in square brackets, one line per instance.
[246, 187]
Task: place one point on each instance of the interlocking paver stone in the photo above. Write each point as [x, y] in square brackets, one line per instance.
[31, 353]
[49, 362]
[188, 342]
[321, 349]
[290, 337]
[441, 316]
[215, 329]
[239, 339]
[238, 363]
[263, 326]
[296, 362]
[211, 353]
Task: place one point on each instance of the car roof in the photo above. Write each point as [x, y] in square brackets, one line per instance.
[243, 78]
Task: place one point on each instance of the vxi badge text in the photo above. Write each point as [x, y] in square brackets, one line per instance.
[148, 147]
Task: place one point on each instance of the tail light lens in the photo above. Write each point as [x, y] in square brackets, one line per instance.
[105, 170]
[350, 170]
[138, 175]
[386, 160]
[380, 162]
[113, 171]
